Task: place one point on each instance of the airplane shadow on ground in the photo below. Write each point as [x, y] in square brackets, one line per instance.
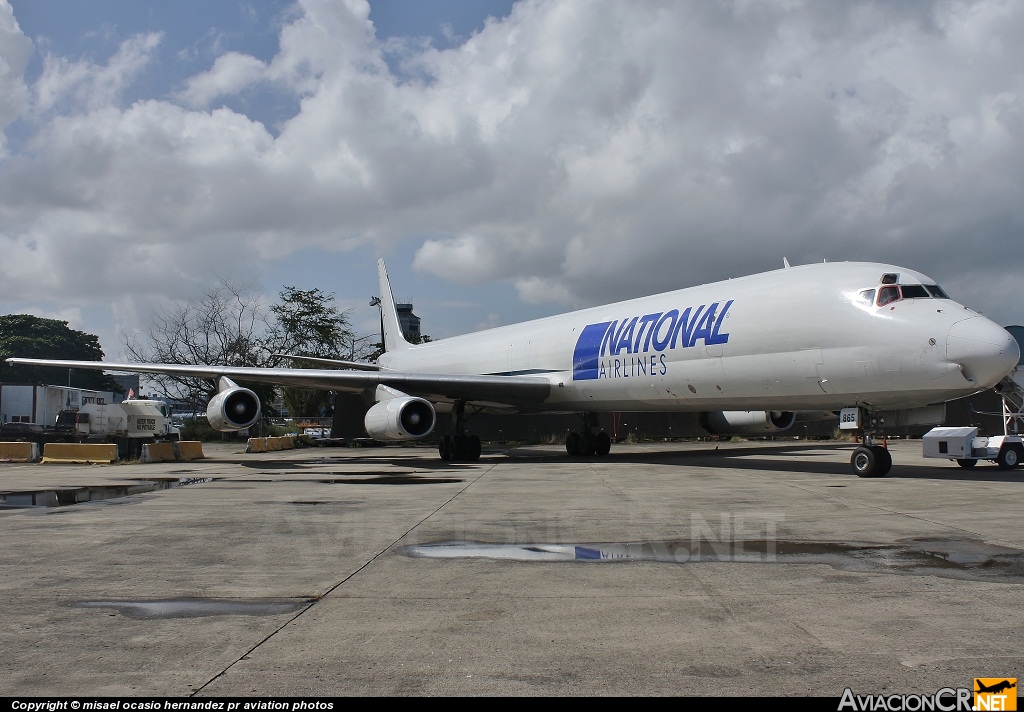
[805, 458]
[798, 457]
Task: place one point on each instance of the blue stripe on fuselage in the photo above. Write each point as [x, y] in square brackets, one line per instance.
[588, 348]
[639, 334]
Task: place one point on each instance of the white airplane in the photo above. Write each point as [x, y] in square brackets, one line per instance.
[875, 344]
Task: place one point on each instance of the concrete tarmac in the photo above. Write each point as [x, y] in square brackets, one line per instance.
[746, 568]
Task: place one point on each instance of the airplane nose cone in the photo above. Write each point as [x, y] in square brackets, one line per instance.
[985, 350]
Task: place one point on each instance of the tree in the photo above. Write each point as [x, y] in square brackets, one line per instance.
[228, 325]
[311, 325]
[30, 336]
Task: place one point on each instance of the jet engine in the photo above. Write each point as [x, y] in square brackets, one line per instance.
[746, 422]
[402, 418]
[234, 408]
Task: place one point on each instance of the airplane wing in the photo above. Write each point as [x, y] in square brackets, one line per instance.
[337, 363]
[501, 390]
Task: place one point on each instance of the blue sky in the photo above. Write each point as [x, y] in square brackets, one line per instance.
[509, 160]
[195, 32]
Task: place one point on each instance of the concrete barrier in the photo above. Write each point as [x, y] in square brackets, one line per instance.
[19, 452]
[270, 444]
[189, 450]
[158, 452]
[256, 445]
[80, 452]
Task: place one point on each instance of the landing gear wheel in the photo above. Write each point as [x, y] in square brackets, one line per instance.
[587, 443]
[865, 462]
[444, 448]
[884, 460]
[473, 448]
[1009, 457]
[602, 444]
[573, 446]
[967, 463]
[459, 447]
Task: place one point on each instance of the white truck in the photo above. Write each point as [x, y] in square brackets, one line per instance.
[966, 447]
[130, 424]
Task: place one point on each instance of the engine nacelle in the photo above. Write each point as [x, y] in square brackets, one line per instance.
[746, 422]
[403, 418]
[233, 409]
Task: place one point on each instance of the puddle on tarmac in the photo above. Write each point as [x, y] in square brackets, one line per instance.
[949, 558]
[196, 607]
[392, 480]
[66, 496]
[359, 478]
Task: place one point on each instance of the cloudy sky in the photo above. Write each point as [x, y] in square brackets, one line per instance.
[508, 159]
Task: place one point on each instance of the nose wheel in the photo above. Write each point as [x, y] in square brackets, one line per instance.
[871, 461]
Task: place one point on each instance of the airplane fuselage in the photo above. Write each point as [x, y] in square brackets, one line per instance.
[800, 338]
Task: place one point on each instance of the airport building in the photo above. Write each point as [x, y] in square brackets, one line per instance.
[409, 322]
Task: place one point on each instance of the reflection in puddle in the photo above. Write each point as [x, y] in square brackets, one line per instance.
[363, 478]
[194, 607]
[949, 558]
[394, 480]
[67, 496]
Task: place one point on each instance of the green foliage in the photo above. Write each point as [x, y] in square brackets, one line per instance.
[311, 325]
[199, 429]
[30, 336]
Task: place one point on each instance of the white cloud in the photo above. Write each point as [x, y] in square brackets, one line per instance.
[231, 73]
[466, 258]
[535, 290]
[67, 85]
[15, 52]
[581, 150]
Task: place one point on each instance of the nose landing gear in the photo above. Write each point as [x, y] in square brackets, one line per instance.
[870, 460]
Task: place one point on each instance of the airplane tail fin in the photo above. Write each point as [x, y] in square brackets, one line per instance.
[391, 329]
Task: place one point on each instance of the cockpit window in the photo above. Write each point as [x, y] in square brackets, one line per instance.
[865, 298]
[889, 278]
[890, 293]
[914, 291]
[887, 295]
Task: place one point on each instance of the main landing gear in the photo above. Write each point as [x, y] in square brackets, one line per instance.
[461, 446]
[586, 441]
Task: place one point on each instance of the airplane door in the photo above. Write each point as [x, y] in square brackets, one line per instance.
[711, 373]
[519, 358]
